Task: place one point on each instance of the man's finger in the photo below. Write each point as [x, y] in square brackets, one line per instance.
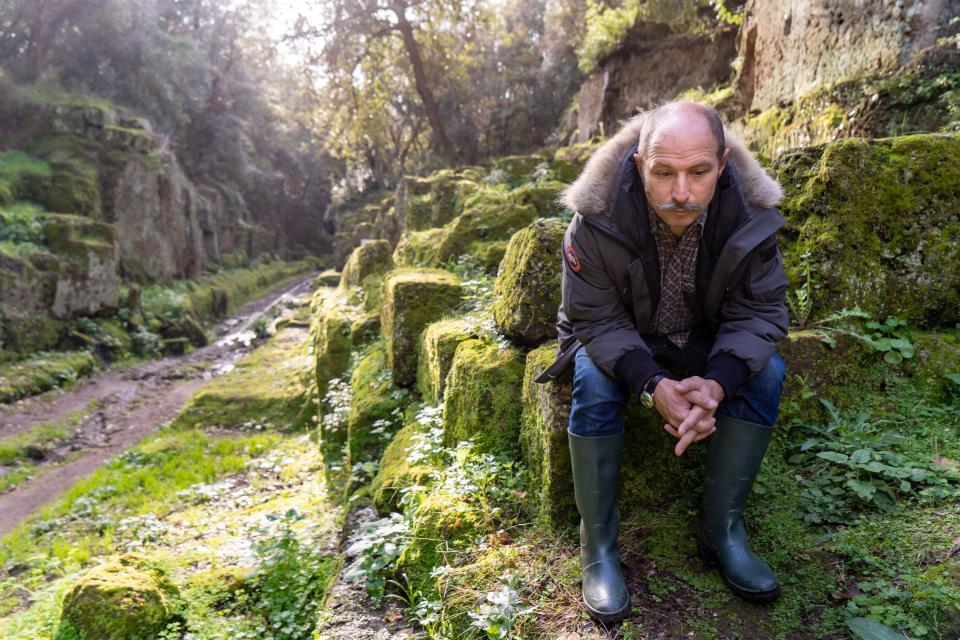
[706, 434]
[705, 425]
[685, 441]
[672, 430]
[701, 399]
[693, 417]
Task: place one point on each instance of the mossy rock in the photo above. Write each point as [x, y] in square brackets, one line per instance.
[518, 169]
[443, 525]
[437, 346]
[527, 290]
[488, 255]
[543, 438]
[368, 258]
[74, 187]
[879, 222]
[483, 396]
[489, 215]
[332, 331]
[365, 328]
[433, 201]
[568, 162]
[327, 278]
[376, 406]
[43, 371]
[542, 196]
[127, 599]
[398, 469]
[413, 298]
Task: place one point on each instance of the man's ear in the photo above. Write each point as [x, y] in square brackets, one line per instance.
[638, 162]
[723, 161]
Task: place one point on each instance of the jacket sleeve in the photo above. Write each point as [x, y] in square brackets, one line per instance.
[596, 312]
[751, 319]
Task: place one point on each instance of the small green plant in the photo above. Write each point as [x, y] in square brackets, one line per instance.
[419, 609]
[852, 464]
[293, 580]
[378, 547]
[499, 614]
[888, 337]
[800, 299]
[146, 343]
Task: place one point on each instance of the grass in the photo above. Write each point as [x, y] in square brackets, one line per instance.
[43, 371]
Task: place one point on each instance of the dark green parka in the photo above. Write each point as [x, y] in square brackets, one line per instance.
[611, 273]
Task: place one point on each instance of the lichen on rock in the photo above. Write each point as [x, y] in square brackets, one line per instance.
[413, 298]
[527, 290]
[367, 259]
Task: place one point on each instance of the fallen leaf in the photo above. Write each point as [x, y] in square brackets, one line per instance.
[393, 616]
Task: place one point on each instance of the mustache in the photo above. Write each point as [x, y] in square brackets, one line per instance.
[672, 206]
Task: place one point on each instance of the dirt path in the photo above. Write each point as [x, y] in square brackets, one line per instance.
[131, 403]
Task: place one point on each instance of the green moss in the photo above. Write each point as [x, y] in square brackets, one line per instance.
[22, 176]
[364, 261]
[568, 162]
[879, 222]
[328, 278]
[518, 169]
[74, 188]
[43, 371]
[365, 328]
[527, 291]
[376, 406]
[246, 396]
[413, 299]
[543, 440]
[438, 344]
[483, 398]
[396, 471]
[489, 214]
[435, 200]
[488, 254]
[542, 196]
[128, 599]
[443, 525]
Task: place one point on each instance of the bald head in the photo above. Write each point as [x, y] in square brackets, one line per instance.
[683, 119]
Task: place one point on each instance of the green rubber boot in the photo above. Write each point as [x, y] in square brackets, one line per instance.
[596, 477]
[733, 460]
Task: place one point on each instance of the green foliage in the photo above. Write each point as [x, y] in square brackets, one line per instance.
[800, 298]
[42, 371]
[292, 582]
[606, 29]
[888, 337]
[498, 615]
[21, 228]
[377, 548]
[853, 464]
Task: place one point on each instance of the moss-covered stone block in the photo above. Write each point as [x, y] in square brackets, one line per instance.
[130, 598]
[483, 396]
[43, 371]
[877, 221]
[527, 290]
[370, 257]
[327, 278]
[399, 469]
[437, 346]
[443, 525]
[331, 329]
[413, 298]
[376, 406]
[518, 169]
[433, 201]
[490, 215]
[542, 196]
[569, 161]
[365, 328]
[543, 438]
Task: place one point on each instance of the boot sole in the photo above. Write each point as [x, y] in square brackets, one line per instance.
[710, 559]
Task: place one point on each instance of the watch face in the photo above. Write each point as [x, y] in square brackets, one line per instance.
[646, 399]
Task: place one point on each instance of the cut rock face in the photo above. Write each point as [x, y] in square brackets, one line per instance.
[413, 298]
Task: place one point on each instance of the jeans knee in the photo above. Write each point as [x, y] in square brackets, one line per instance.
[598, 400]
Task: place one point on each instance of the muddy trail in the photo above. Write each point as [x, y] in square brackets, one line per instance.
[113, 410]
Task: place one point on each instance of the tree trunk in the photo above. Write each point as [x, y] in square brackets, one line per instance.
[423, 86]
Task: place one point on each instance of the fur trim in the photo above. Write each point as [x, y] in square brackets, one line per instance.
[588, 193]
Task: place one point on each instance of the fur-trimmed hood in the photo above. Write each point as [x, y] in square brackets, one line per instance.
[589, 193]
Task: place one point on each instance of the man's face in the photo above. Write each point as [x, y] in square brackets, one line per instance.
[681, 170]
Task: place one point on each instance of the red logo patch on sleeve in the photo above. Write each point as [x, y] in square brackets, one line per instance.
[572, 258]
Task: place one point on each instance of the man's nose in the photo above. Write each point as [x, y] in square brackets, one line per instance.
[680, 191]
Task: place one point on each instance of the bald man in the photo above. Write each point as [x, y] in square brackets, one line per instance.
[671, 265]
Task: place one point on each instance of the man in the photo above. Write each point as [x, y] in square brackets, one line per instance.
[672, 258]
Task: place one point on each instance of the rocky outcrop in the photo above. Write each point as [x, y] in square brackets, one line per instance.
[635, 77]
[790, 46]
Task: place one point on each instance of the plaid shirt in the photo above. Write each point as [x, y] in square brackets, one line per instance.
[678, 311]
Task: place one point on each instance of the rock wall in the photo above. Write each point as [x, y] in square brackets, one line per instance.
[789, 46]
[636, 77]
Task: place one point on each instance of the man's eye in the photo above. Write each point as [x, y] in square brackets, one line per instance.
[663, 174]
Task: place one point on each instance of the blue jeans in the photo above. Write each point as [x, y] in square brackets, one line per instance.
[598, 399]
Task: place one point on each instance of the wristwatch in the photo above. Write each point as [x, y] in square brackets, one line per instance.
[646, 396]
